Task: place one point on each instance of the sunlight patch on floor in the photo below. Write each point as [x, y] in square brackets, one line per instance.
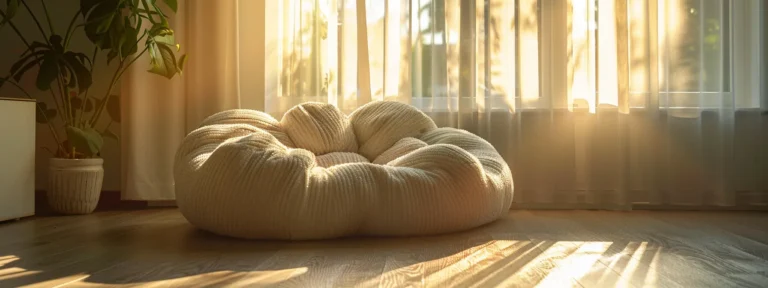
[210, 279]
[8, 273]
[7, 259]
[652, 278]
[632, 265]
[15, 272]
[519, 252]
[575, 265]
[270, 277]
[239, 278]
[542, 264]
[483, 255]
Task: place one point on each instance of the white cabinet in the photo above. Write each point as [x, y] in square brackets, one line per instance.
[17, 158]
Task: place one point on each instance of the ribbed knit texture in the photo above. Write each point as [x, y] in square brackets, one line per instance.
[319, 128]
[378, 125]
[241, 175]
[338, 158]
[401, 148]
[74, 189]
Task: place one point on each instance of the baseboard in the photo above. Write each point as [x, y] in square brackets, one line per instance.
[672, 207]
[568, 206]
[635, 206]
[162, 203]
[111, 200]
[108, 201]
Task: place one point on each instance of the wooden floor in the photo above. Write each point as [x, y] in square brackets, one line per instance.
[158, 247]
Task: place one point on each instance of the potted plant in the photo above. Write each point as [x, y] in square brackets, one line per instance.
[117, 29]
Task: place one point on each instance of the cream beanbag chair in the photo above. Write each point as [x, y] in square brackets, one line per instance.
[384, 170]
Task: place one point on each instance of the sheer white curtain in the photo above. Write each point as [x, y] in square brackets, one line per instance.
[594, 103]
[158, 113]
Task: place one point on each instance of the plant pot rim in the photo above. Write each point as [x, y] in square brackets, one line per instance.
[75, 162]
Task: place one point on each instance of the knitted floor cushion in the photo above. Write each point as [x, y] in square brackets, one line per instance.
[384, 170]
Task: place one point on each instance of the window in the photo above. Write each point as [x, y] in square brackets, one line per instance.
[523, 54]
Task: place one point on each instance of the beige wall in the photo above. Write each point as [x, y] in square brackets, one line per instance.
[11, 47]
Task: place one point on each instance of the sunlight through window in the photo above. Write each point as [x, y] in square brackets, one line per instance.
[619, 54]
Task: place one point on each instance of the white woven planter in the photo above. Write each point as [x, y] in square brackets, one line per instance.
[74, 185]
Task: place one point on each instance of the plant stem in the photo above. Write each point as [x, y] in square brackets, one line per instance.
[48, 17]
[109, 93]
[65, 101]
[146, 32]
[70, 29]
[118, 73]
[47, 121]
[18, 33]
[146, 6]
[39, 27]
[132, 60]
[59, 107]
[69, 104]
[109, 125]
[85, 97]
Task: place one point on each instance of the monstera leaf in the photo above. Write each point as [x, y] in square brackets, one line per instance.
[102, 21]
[54, 62]
[173, 4]
[109, 28]
[75, 64]
[128, 41]
[85, 140]
[162, 48]
[115, 28]
[163, 62]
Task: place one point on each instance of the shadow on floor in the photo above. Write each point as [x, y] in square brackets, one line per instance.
[583, 248]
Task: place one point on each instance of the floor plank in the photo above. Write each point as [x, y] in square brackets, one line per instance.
[158, 248]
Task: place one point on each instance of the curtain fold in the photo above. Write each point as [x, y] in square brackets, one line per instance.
[593, 103]
[160, 112]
